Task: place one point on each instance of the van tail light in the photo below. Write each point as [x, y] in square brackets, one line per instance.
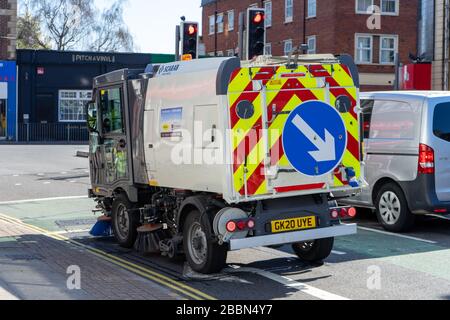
[426, 159]
[440, 211]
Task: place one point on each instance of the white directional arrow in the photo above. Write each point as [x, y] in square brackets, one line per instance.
[326, 150]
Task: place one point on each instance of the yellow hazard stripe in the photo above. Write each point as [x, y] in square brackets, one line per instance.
[274, 86]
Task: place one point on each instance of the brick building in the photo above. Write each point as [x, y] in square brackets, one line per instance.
[439, 51]
[8, 22]
[327, 26]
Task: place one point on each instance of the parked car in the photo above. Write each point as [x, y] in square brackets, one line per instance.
[407, 156]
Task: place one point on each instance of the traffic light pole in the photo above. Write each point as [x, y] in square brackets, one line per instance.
[177, 43]
[241, 44]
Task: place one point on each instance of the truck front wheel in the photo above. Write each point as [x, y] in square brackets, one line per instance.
[124, 222]
[203, 254]
[314, 251]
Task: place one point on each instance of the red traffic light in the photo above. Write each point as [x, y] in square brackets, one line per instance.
[192, 29]
[258, 18]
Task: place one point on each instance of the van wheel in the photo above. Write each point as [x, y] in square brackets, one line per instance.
[203, 254]
[314, 251]
[392, 209]
[124, 223]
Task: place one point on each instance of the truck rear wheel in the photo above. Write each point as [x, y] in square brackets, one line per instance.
[314, 251]
[124, 222]
[203, 254]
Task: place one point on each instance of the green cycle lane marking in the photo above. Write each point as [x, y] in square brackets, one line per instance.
[46, 214]
[415, 255]
[412, 254]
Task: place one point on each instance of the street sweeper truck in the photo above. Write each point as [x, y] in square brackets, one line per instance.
[197, 158]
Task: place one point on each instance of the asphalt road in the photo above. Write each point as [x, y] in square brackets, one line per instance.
[370, 265]
[42, 171]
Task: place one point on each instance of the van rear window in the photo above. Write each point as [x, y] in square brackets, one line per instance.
[441, 121]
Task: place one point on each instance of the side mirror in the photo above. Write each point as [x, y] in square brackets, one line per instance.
[91, 116]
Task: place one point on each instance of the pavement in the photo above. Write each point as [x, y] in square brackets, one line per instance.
[373, 264]
[34, 266]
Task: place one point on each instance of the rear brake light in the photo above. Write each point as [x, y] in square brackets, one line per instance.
[344, 212]
[242, 225]
[351, 212]
[426, 159]
[440, 211]
[231, 226]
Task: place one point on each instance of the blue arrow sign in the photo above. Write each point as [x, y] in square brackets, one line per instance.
[315, 138]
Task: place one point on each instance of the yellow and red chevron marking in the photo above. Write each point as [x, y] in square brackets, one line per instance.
[285, 90]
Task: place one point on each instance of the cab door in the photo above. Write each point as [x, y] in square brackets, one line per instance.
[113, 134]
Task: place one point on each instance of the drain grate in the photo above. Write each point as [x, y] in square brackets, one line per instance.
[26, 257]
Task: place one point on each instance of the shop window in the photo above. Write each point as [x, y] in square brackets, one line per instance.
[72, 104]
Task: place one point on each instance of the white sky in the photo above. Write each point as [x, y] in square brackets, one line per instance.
[152, 22]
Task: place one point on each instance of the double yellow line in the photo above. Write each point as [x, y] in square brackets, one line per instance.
[147, 273]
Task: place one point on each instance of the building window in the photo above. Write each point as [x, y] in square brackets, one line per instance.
[231, 20]
[311, 45]
[268, 49]
[288, 11]
[362, 6]
[230, 53]
[72, 103]
[211, 25]
[287, 47]
[220, 23]
[312, 8]
[388, 48]
[389, 7]
[364, 45]
[268, 8]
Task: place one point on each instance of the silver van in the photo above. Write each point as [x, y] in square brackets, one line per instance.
[407, 156]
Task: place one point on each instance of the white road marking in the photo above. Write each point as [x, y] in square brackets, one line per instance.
[18, 184]
[15, 175]
[288, 255]
[69, 231]
[42, 200]
[397, 235]
[339, 253]
[6, 295]
[290, 283]
[46, 182]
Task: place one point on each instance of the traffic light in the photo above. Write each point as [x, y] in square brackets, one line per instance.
[256, 32]
[189, 39]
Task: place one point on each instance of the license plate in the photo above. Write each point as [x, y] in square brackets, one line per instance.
[293, 224]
